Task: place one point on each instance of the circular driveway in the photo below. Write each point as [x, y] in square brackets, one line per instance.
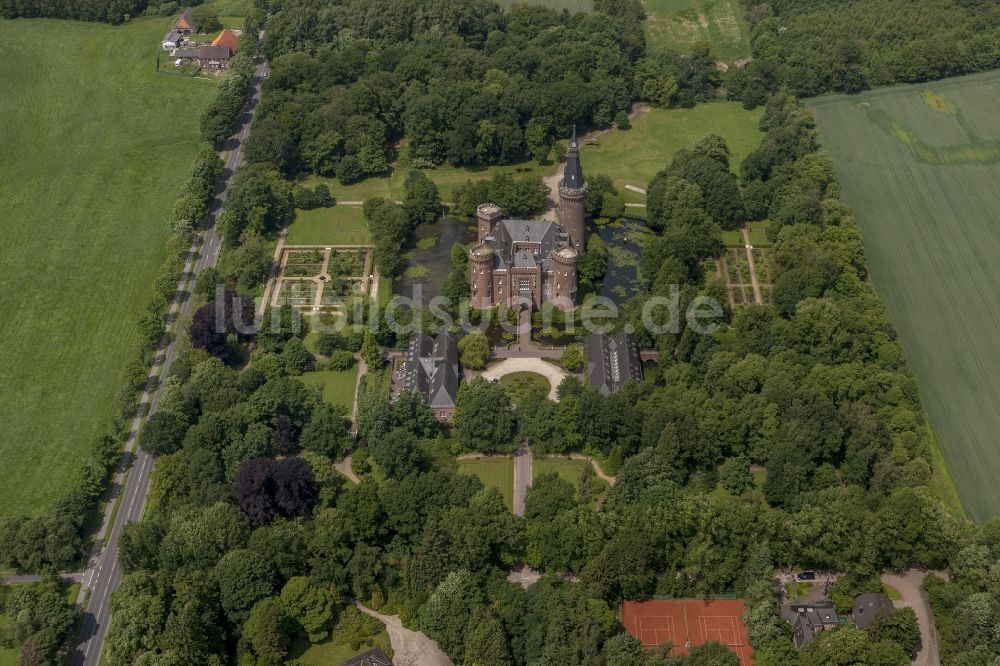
[551, 372]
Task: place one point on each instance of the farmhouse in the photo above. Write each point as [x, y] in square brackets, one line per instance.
[213, 56]
[612, 360]
[531, 262]
[431, 369]
[807, 620]
[185, 23]
[172, 40]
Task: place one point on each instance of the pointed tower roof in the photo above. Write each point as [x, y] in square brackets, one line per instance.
[573, 175]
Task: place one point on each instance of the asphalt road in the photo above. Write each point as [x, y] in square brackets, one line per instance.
[103, 578]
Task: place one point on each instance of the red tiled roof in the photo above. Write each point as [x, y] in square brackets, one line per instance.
[228, 39]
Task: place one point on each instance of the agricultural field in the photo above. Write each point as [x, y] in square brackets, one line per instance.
[495, 472]
[95, 148]
[920, 166]
[634, 156]
[678, 24]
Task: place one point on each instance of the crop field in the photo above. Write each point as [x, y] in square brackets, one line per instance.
[678, 24]
[95, 147]
[920, 165]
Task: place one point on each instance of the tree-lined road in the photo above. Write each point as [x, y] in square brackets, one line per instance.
[102, 579]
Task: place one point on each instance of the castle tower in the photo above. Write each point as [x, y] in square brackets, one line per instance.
[482, 275]
[487, 215]
[572, 192]
[563, 283]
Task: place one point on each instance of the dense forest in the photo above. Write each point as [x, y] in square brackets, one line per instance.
[462, 83]
[814, 46]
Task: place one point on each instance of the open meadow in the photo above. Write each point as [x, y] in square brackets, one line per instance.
[920, 166]
[634, 156]
[678, 24]
[95, 148]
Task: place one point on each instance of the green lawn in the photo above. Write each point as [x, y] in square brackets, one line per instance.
[339, 225]
[330, 652]
[921, 175]
[798, 589]
[516, 384]
[758, 236]
[338, 385]
[95, 148]
[565, 467]
[633, 157]
[678, 24]
[447, 178]
[494, 472]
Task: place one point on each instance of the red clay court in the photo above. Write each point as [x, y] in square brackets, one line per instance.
[688, 623]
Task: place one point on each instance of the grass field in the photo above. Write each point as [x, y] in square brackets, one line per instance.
[678, 24]
[338, 385]
[566, 468]
[339, 225]
[447, 178]
[494, 472]
[95, 148]
[331, 652]
[634, 156]
[919, 171]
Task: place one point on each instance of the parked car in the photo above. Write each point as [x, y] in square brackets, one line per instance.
[807, 575]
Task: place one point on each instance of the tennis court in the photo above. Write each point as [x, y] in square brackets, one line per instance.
[687, 623]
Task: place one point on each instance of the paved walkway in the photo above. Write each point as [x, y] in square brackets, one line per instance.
[522, 478]
[550, 371]
[597, 468]
[754, 282]
[344, 467]
[909, 587]
[411, 648]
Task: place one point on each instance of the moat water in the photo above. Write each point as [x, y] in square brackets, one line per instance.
[427, 267]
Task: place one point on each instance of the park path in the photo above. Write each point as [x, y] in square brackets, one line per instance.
[909, 586]
[410, 648]
[522, 478]
[550, 371]
[754, 282]
[597, 468]
[344, 467]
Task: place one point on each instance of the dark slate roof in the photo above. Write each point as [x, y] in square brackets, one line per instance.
[509, 234]
[431, 368]
[204, 53]
[374, 657]
[173, 35]
[573, 175]
[867, 607]
[612, 360]
[807, 620]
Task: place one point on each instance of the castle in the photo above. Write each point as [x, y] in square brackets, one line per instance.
[531, 262]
